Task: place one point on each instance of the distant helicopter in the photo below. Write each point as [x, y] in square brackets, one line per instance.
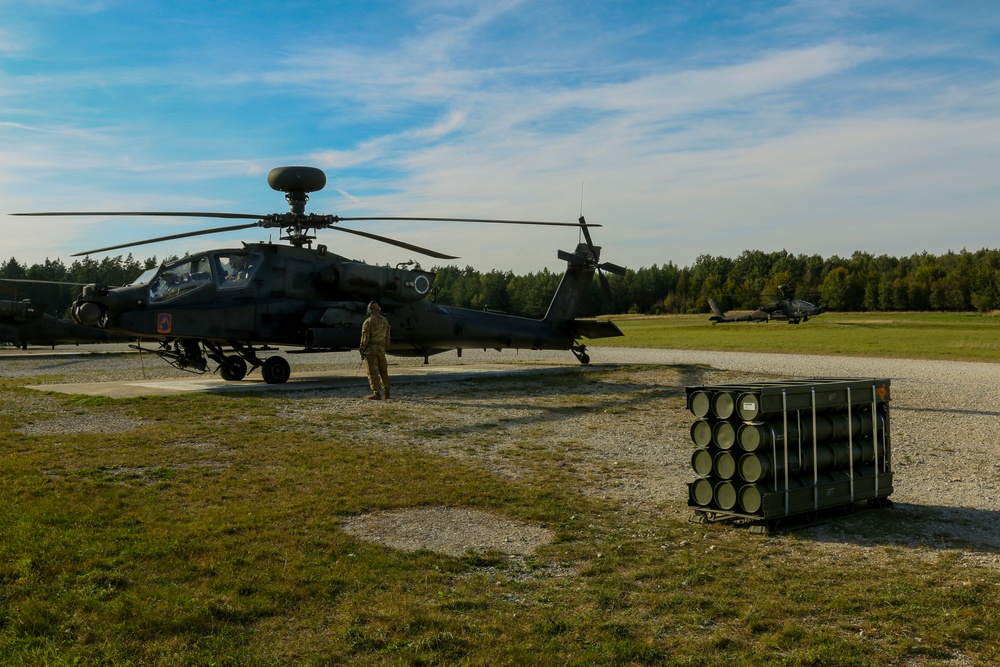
[24, 323]
[791, 310]
[229, 304]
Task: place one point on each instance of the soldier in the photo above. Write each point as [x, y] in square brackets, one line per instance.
[374, 341]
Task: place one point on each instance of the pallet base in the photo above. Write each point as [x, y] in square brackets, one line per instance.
[761, 526]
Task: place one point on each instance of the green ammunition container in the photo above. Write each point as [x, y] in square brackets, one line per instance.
[702, 492]
[770, 399]
[724, 464]
[701, 432]
[753, 436]
[725, 495]
[723, 404]
[757, 466]
[701, 461]
[751, 496]
[772, 450]
[724, 434]
[700, 403]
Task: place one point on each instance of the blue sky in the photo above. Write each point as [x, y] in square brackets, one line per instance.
[685, 128]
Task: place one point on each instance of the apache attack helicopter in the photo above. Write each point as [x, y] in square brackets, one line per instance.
[227, 305]
[24, 323]
[791, 310]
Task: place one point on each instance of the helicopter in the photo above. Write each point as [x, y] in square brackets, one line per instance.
[226, 305]
[792, 311]
[24, 323]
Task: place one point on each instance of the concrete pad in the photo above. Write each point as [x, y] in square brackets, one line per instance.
[334, 378]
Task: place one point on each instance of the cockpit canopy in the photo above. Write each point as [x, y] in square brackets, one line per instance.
[226, 269]
[236, 268]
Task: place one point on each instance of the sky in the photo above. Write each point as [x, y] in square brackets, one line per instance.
[685, 128]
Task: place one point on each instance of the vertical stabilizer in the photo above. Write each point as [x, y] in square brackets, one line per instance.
[716, 308]
[574, 285]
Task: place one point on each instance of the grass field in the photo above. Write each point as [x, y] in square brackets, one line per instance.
[950, 336]
[210, 532]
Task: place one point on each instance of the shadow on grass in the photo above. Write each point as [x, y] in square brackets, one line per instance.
[911, 525]
[580, 396]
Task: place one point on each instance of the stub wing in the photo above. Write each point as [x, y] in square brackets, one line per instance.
[595, 329]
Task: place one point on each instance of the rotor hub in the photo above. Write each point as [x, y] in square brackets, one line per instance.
[296, 183]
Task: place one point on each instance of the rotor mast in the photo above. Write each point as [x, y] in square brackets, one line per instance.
[296, 183]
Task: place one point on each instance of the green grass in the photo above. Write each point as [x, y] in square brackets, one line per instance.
[950, 336]
[212, 534]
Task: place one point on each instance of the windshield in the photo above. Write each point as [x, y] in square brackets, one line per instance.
[144, 278]
[235, 269]
[180, 278]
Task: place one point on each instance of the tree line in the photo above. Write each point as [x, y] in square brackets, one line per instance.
[955, 281]
[113, 271]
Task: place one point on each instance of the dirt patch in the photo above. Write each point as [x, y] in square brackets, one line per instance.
[82, 424]
[448, 530]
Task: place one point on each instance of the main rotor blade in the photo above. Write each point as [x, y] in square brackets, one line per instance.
[583, 225]
[401, 244]
[337, 218]
[501, 222]
[214, 230]
[162, 214]
[313, 221]
[40, 282]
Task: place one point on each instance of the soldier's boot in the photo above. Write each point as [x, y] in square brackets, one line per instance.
[387, 393]
[374, 396]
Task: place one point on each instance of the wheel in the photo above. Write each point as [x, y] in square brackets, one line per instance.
[584, 358]
[234, 369]
[276, 370]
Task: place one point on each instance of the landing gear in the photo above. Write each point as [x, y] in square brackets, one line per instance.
[190, 355]
[234, 369]
[580, 352]
[276, 370]
[183, 354]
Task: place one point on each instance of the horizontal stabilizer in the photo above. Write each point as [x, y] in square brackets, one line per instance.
[613, 268]
[575, 259]
[595, 329]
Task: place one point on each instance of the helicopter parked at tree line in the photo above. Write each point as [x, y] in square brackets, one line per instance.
[792, 311]
[24, 323]
[227, 305]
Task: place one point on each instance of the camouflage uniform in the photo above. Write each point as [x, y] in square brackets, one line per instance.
[374, 341]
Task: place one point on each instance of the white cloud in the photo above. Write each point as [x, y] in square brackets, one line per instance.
[818, 118]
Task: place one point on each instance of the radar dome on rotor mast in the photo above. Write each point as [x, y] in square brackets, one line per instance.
[296, 183]
[296, 179]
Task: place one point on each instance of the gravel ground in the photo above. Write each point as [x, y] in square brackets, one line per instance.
[944, 427]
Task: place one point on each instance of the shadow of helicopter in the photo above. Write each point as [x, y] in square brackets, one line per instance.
[792, 311]
[229, 304]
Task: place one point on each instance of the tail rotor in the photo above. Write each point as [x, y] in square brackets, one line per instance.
[600, 267]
